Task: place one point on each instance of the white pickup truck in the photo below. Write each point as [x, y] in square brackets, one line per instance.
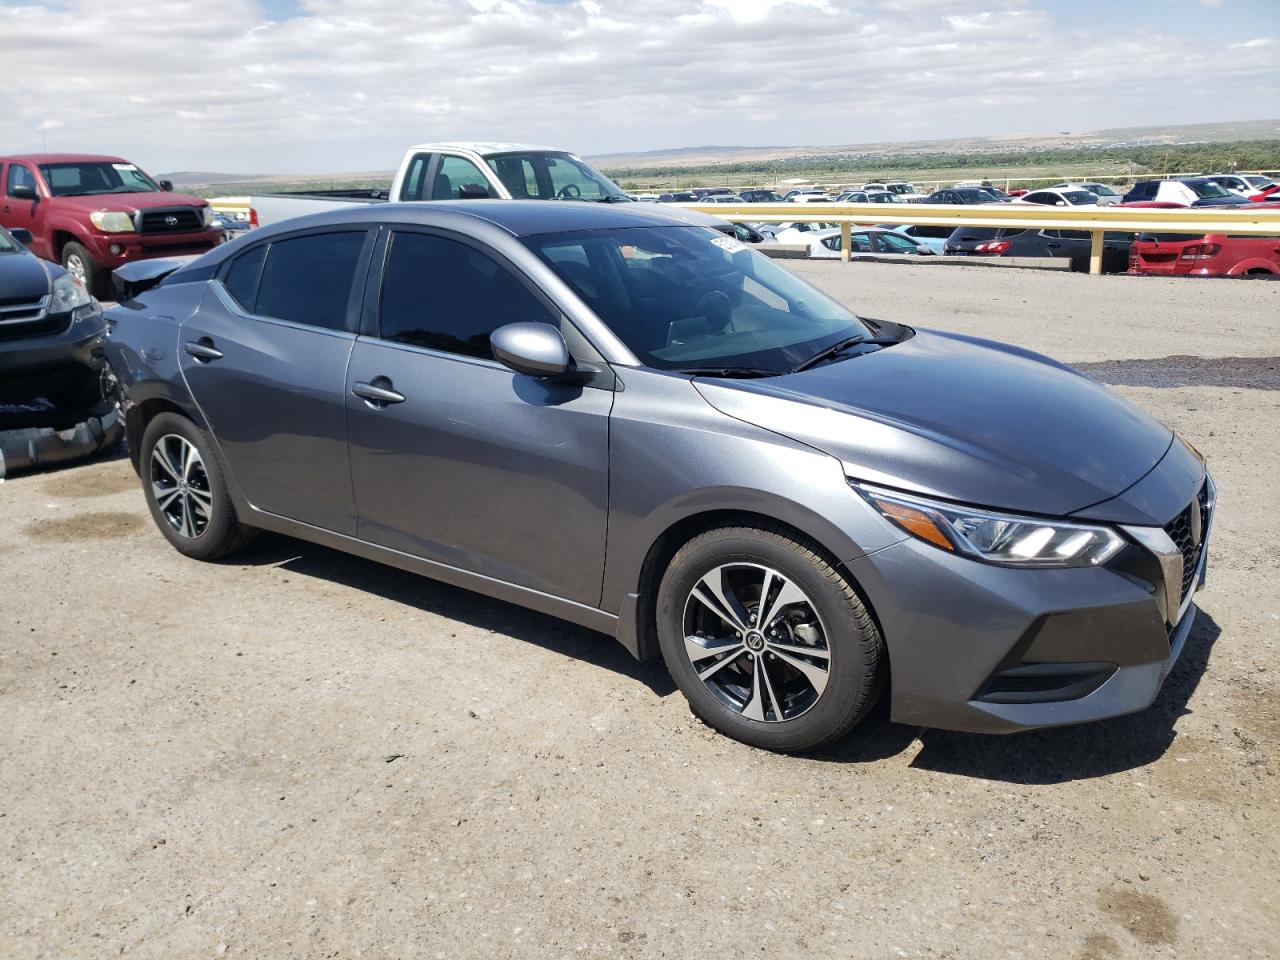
[459, 171]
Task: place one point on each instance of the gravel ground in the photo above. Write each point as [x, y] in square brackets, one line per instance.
[303, 754]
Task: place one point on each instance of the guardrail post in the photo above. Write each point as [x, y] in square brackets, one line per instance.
[1095, 252]
[846, 240]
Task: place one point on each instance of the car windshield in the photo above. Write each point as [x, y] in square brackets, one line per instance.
[552, 176]
[901, 188]
[1102, 190]
[973, 195]
[83, 179]
[1078, 198]
[688, 297]
[1258, 182]
[1207, 188]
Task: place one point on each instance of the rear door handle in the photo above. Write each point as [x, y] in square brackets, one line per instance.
[378, 393]
[203, 350]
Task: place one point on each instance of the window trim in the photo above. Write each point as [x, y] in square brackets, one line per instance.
[351, 322]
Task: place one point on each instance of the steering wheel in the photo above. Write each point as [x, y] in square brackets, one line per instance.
[716, 310]
[570, 191]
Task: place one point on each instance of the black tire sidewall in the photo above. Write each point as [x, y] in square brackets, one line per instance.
[223, 527]
[844, 697]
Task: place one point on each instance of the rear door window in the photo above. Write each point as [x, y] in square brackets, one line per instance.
[445, 295]
[310, 279]
[455, 173]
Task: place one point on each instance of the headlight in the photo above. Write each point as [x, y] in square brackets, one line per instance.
[206, 215]
[111, 221]
[68, 294]
[996, 537]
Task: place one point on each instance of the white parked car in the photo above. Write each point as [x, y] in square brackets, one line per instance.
[1244, 186]
[1106, 195]
[806, 196]
[795, 232]
[899, 188]
[882, 196]
[1061, 198]
[825, 244]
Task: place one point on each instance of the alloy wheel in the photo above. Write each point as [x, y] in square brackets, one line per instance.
[180, 486]
[75, 266]
[756, 642]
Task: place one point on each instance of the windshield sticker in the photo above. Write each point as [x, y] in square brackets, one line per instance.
[123, 166]
[729, 244]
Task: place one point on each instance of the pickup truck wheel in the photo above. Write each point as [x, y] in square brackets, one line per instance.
[78, 263]
[185, 490]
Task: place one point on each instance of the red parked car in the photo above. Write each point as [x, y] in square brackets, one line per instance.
[94, 213]
[1213, 255]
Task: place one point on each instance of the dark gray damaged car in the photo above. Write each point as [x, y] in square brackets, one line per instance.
[606, 414]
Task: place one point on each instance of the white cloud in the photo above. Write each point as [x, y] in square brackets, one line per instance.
[187, 84]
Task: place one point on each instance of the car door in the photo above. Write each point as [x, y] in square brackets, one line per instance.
[265, 357]
[454, 457]
[22, 212]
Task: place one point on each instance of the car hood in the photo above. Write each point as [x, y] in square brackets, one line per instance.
[962, 419]
[23, 278]
[127, 202]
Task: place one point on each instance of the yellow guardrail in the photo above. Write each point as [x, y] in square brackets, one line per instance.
[1253, 220]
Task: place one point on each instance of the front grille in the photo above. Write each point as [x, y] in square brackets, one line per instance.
[1182, 531]
[19, 320]
[174, 220]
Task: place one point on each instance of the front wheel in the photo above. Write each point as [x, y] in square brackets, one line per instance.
[78, 263]
[766, 639]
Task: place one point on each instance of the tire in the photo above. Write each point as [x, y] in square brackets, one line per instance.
[78, 262]
[816, 619]
[188, 498]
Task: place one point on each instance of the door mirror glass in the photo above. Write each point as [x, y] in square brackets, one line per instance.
[24, 237]
[166, 186]
[536, 349]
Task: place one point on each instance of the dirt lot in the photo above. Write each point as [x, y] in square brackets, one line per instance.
[301, 754]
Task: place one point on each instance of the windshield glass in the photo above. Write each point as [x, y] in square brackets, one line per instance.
[1102, 190]
[1206, 188]
[683, 297]
[901, 188]
[552, 176]
[8, 244]
[83, 179]
[1078, 198]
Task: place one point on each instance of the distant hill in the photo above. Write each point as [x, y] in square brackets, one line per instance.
[1002, 143]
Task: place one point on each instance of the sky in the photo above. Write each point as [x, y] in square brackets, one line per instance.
[314, 86]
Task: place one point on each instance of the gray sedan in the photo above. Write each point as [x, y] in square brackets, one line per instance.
[640, 425]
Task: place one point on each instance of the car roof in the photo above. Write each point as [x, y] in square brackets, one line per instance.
[39, 158]
[486, 147]
[520, 218]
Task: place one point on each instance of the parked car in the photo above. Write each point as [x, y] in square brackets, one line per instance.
[679, 196]
[93, 213]
[825, 244]
[961, 195]
[1243, 186]
[723, 198]
[1211, 255]
[852, 196]
[805, 196]
[1191, 192]
[439, 387]
[882, 196]
[931, 235]
[1061, 198]
[1072, 245]
[760, 196]
[793, 232]
[1105, 194]
[52, 408]
[468, 170]
[900, 188]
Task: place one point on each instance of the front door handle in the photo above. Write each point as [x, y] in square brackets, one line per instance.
[203, 350]
[378, 393]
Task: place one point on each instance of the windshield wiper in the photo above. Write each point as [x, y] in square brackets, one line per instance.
[726, 371]
[614, 198]
[833, 351]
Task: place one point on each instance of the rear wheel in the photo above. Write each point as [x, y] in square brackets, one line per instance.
[78, 263]
[766, 639]
[186, 492]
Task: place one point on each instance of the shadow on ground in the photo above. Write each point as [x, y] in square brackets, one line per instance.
[474, 609]
[1038, 757]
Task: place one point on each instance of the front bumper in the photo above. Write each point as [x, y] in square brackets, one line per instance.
[30, 447]
[112, 250]
[991, 649]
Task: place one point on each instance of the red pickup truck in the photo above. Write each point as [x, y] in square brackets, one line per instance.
[94, 213]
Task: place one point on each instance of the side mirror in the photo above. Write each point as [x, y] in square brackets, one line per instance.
[473, 191]
[536, 349]
[24, 237]
[166, 186]
[23, 191]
